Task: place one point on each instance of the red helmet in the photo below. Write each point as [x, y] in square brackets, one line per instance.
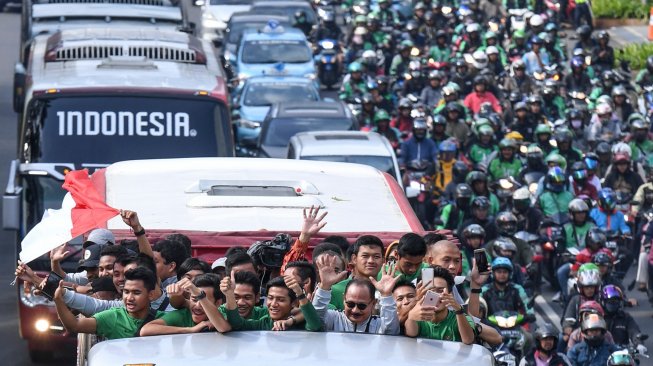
[591, 306]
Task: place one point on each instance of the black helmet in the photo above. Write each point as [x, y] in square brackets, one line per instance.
[480, 202]
[460, 170]
[595, 237]
[367, 98]
[547, 331]
[603, 148]
[461, 63]
[603, 35]
[411, 25]
[602, 259]
[382, 80]
[474, 230]
[584, 31]
[405, 103]
[440, 120]
[515, 96]
[475, 176]
[534, 98]
[428, 16]
[442, 34]
[480, 80]
[506, 223]
[574, 113]
[563, 135]
[463, 196]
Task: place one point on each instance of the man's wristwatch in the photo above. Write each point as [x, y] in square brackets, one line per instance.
[461, 311]
[140, 232]
[301, 296]
[200, 296]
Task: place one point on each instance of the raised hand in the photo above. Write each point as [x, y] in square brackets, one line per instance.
[58, 254]
[174, 290]
[387, 282]
[58, 293]
[479, 279]
[226, 286]
[312, 223]
[420, 312]
[131, 219]
[26, 274]
[328, 275]
[293, 284]
[449, 301]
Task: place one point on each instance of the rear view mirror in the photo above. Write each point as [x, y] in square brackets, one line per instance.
[20, 75]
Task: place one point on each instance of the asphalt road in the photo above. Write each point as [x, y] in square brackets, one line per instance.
[13, 351]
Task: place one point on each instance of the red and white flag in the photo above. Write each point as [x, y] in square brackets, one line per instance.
[82, 210]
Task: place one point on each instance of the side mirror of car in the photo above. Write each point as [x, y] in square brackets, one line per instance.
[20, 76]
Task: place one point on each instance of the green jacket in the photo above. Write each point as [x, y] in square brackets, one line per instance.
[575, 235]
[559, 104]
[503, 169]
[351, 89]
[478, 153]
[553, 204]
[440, 54]
[445, 216]
[645, 148]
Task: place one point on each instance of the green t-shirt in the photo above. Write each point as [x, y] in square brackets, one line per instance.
[446, 330]
[257, 312]
[181, 318]
[338, 294]
[312, 319]
[410, 278]
[116, 323]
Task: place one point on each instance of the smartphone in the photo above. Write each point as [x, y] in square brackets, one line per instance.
[481, 260]
[51, 285]
[431, 299]
[427, 276]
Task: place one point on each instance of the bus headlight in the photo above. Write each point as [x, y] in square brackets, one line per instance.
[42, 325]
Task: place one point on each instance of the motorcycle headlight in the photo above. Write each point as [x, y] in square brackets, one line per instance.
[494, 27]
[249, 124]
[29, 299]
[414, 52]
[446, 10]
[327, 45]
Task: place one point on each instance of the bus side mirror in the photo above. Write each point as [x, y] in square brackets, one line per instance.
[20, 75]
[11, 201]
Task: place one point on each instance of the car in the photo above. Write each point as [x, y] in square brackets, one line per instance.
[237, 25]
[278, 348]
[259, 93]
[216, 14]
[367, 148]
[275, 50]
[287, 7]
[284, 120]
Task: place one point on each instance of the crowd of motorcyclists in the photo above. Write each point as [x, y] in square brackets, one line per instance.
[539, 153]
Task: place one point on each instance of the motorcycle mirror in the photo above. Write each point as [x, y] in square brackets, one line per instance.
[642, 337]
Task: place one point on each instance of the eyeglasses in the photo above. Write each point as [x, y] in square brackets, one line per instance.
[361, 306]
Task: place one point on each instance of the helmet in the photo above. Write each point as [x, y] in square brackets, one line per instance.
[381, 115]
[607, 199]
[612, 298]
[355, 67]
[595, 238]
[405, 103]
[491, 50]
[473, 27]
[447, 146]
[621, 358]
[485, 129]
[603, 108]
[475, 176]
[602, 259]
[507, 143]
[411, 25]
[428, 16]
[460, 171]
[435, 74]
[420, 124]
[506, 223]
[441, 34]
[480, 61]
[589, 275]
[503, 244]
[501, 262]
[536, 40]
[550, 27]
[534, 98]
[328, 16]
[480, 202]
[405, 45]
[547, 38]
[360, 19]
[518, 64]
[584, 31]
[536, 20]
[577, 61]
[621, 147]
[474, 230]
[550, 86]
[591, 307]
[382, 80]
[603, 35]
[594, 321]
[577, 205]
[419, 6]
[534, 152]
[579, 51]
[555, 179]
[489, 35]
[547, 331]
[602, 148]
[521, 106]
[439, 120]
[557, 159]
[480, 80]
[519, 33]
[579, 173]
[563, 135]
[542, 129]
[453, 107]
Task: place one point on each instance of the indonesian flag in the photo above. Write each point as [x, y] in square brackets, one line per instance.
[82, 210]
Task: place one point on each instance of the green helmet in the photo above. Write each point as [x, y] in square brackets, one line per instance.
[489, 34]
[519, 33]
[542, 128]
[360, 19]
[381, 115]
[507, 143]
[558, 159]
[372, 17]
[484, 128]
[355, 67]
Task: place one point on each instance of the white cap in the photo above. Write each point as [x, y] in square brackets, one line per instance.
[220, 262]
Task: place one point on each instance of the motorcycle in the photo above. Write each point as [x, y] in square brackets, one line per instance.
[355, 105]
[552, 246]
[618, 245]
[647, 102]
[328, 67]
[533, 270]
[509, 324]
[418, 189]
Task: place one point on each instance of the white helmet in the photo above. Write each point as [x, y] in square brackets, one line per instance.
[536, 20]
[491, 50]
[480, 59]
[621, 147]
[473, 27]
[603, 108]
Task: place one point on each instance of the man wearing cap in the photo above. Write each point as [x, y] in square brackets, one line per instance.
[219, 267]
[88, 270]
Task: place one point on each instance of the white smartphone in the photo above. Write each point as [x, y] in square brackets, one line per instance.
[427, 276]
[431, 299]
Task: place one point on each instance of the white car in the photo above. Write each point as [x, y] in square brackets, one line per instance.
[216, 14]
[367, 148]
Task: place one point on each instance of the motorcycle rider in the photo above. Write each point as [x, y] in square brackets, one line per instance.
[604, 262]
[480, 210]
[432, 93]
[594, 350]
[537, 58]
[502, 247]
[585, 40]
[454, 214]
[456, 125]
[518, 46]
[546, 346]
[553, 104]
[463, 77]
[503, 295]
[418, 146]
[602, 125]
[608, 79]
[481, 95]
[535, 110]
[622, 177]
[555, 199]
[506, 163]
[528, 216]
[356, 85]
[443, 169]
[471, 40]
[623, 327]
[645, 77]
[478, 181]
[368, 111]
[552, 47]
[580, 183]
[399, 63]
[459, 172]
[387, 16]
[603, 53]
[640, 145]
[473, 237]
[438, 133]
[535, 166]
[328, 29]
[578, 227]
[441, 50]
[605, 214]
[506, 224]
[482, 146]
[522, 122]
[564, 138]
[578, 79]
[622, 106]
[518, 80]
[543, 138]
[382, 121]
[403, 120]
[588, 283]
[412, 33]
[586, 308]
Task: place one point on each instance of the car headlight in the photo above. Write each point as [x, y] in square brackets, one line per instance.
[310, 75]
[249, 124]
[29, 299]
[42, 325]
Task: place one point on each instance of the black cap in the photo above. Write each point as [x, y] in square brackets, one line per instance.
[91, 257]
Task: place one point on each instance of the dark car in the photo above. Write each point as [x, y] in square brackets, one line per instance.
[247, 20]
[286, 7]
[284, 120]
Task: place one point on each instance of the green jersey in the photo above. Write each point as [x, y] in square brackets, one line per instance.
[478, 153]
[575, 235]
[641, 149]
[446, 330]
[500, 168]
[116, 323]
[182, 318]
[257, 312]
[553, 204]
[313, 322]
[338, 294]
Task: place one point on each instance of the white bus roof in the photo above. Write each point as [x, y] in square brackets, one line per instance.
[325, 143]
[165, 66]
[173, 195]
[72, 11]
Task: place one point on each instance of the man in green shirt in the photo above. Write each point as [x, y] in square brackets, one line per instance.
[205, 292]
[283, 294]
[118, 322]
[367, 256]
[438, 322]
[247, 294]
[410, 253]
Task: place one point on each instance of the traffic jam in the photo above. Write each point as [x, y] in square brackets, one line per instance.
[473, 174]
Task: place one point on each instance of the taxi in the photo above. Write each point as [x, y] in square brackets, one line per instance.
[275, 51]
[260, 92]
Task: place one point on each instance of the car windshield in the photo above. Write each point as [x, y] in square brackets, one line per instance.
[231, 2]
[266, 94]
[273, 51]
[382, 163]
[287, 10]
[236, 29]
[105, 129]
[282, 129]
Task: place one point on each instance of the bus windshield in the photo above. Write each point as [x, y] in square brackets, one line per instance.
[107, 129]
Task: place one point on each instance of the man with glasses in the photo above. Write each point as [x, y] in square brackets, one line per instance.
[359, 302]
